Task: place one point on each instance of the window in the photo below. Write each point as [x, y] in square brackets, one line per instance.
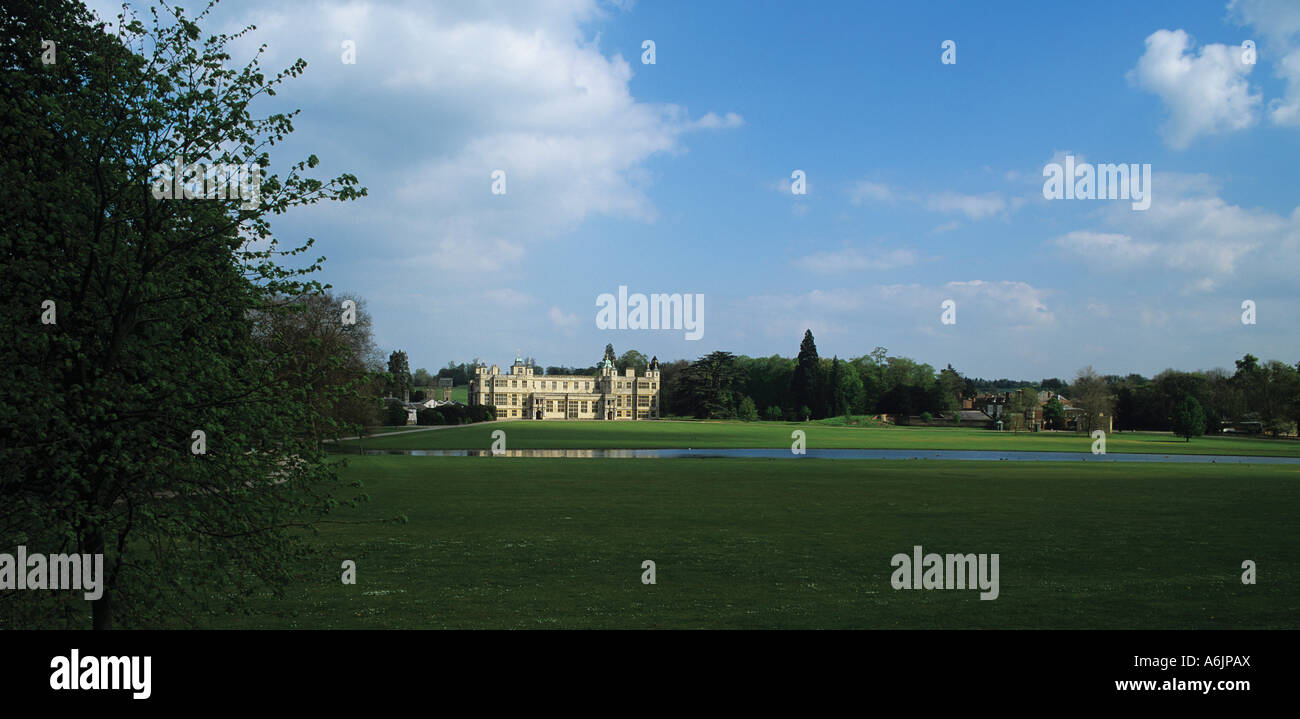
[643, 401]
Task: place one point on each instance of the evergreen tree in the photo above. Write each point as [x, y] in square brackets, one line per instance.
[400, 370]
[807, 371]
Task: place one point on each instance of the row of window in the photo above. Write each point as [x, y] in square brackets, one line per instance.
[574, 408]
[564, 384]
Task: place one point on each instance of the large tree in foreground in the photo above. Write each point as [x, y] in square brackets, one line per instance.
[143, 420]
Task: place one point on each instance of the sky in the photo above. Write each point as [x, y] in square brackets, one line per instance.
[924, 180]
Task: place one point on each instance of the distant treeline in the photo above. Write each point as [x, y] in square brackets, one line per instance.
[1262, 396]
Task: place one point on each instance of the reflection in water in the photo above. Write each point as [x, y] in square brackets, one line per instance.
[917, 454]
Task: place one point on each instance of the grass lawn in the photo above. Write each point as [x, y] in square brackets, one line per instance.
[741, 543]
[459, 393]
[712, 435]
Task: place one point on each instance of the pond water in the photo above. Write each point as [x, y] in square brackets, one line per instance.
[916, 454]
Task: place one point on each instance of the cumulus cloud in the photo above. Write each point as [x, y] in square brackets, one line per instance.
[1103, 250]
[1190, 229]
[1006, 305]
[1278, 22]
[463, 90]
[1205, 91]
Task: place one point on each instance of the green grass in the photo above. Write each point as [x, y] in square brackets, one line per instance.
[459, 393]
[740, 543]
[713, 435]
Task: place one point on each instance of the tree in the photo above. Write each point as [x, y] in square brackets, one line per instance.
[708, 386]
[747, 411]
[1019, 408]
[1054, 414]
[400, 371]
[1091, 393]
[1189, 419]
[807, 370]
[833, 400]
[330, 364]
[672, 397]
[773, 414]
[155, 430]
[395, 414]
[633, 359]
[765, 379]
[422, 378]
[951, 386]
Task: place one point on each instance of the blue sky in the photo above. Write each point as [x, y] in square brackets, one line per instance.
[924, 180]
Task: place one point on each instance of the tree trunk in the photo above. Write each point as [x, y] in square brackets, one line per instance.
[102, 608]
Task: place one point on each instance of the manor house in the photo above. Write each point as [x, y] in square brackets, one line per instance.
[525, 394]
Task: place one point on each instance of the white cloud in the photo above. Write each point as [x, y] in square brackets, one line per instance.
[711, 121]
[853, 259]
[1107, 250]
[1205, 92]
[973, 206]
[566, 321]
[1278, 21]
[1190, 229]
[866, 190]
[469, 88]
[1005, 305]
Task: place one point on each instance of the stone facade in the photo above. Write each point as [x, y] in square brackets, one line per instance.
[524, 394]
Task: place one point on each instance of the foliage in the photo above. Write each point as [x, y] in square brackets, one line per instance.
[158, 304]
[747, 411]
[1189, 420]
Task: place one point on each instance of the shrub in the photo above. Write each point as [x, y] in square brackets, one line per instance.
[455, 413]
[481, 413]
[394, 414]
[430, 416]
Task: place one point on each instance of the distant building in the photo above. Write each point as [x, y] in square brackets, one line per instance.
[525, 394]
